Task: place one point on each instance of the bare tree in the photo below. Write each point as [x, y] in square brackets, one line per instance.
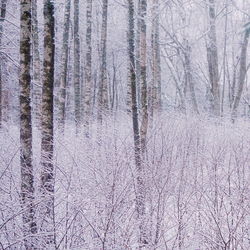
[64, 66]
[143, 72]
[2, 18]
[212, 58]
[27, 177]
[36, 88]
[88, 67]
[47, 226]
[242, 70]
[140, 186]
[77, 65]
[103, 86]
[189, 75]
[156, 59]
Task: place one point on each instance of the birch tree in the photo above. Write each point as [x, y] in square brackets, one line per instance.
[143, 72]
[36, 87]
[64, 66]
[212, 58]
[140, 186]
[77, 64]
[27, 177]
[47, 226]
[103, 86]
[2, 19]
[242, 70]
[156, 59]
[88, 67]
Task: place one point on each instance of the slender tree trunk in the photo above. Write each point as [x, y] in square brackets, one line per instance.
[143, 71]
[64, 67]
[242, 71]
[137, 55]
[103, 86]
[47, 176]
[27, 177]
[77, 65]
[224, 59]
[140, 186]
[36, 88]
[2, 18]
[189, 76]
[156, 59]
[212, 58]
[88, 67]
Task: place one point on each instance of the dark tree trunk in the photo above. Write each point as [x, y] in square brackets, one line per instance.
[103, 86]
[2, 18]
[88, 67]
[140, 187]
[77, 65]
[47, 176]
[27, 178]
[36, 88]
[64, 67]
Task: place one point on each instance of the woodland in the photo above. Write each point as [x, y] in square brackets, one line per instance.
[124, 124]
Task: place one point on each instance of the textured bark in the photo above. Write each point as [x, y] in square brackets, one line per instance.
[156, 60]
[64, 67]
[103, 86]
[242, 72]
[137, 55]
[36, 89]
[47, 226]
[77, 64]
[140, 187]
[2, 18]
[88, 67]
[27, 178]
[189, 77]
[212, 58]
[143, 72]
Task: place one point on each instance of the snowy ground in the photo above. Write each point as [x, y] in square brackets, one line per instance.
[197, 184]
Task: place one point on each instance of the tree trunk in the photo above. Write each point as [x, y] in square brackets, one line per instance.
[143, 71]
[47, 176]
[77, 65]
[212, 58]
[156, 59]
[64, 67]
[140, 189]
[103, 86]
[137, 54]
[88, 68]
[2, 18]
[189, 77]
[36, 88]
[27, 177]
[242, 72]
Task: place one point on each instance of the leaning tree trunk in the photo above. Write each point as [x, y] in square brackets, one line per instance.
[2, 18]
[143, 72]
[77, 65]
[36, 88]
[47, 226]
[27, 177]
[242, 71]
[103, 86]
[64, 67]
[88, 67]
[212, 58]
